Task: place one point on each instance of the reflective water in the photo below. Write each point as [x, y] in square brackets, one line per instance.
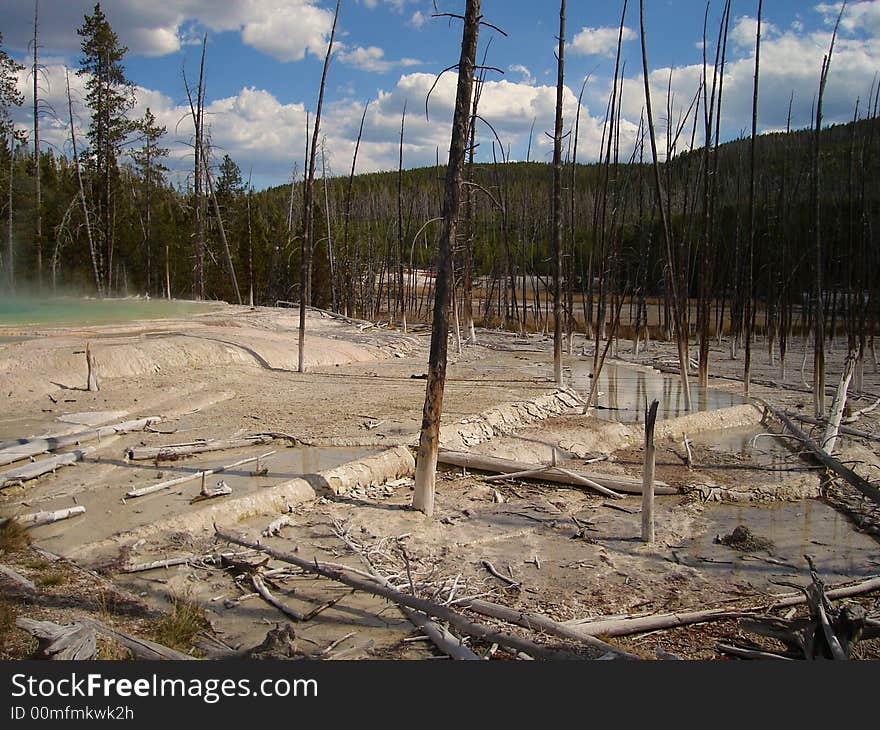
[800, 528]
[623, 392]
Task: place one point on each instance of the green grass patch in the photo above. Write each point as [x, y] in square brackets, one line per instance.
[179, 628]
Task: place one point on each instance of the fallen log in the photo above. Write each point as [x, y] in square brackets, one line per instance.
[26, 448]
[169, 453]
[429, 608]
[556, 475]
[36, 519]
[17, 578]
[140, 492]
[846, 430]
[829, 438]
[140, 648]
[638, 625]
[824, 458]
[65, 642]
[44, 466]
[537, 622]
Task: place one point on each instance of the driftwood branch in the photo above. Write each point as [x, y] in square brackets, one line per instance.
[192, 477]
[167, 453]
[342, 575]
[824, 458]
[556, 475]
[44, 466]
[25, 448]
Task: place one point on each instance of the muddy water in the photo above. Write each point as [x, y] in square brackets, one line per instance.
[809, 527]
[109, 512]
[623, 392]
[751, 444]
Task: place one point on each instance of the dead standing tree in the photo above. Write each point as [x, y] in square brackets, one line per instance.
[681, 333]
[815, 193]
[429, 439]
[557, 201]
[308, 194]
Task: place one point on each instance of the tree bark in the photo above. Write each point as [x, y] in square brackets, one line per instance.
[648, 475]
[308, 194]
[557, 202]
[429, 438]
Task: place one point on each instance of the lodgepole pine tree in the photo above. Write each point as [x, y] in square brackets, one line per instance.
[110, 96]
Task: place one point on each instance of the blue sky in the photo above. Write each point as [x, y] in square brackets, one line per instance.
[264, 63]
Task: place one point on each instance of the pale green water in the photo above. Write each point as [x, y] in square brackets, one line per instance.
[18, 311]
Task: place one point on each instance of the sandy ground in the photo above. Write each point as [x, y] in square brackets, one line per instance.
[233, 371]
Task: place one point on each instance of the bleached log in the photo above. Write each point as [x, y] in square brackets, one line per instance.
[36, 519]
[829, 439]
[637, 625]
[66, 642]
[744, 653]
[26, 448]
[480, 462]
[266, 595]
[342, 575]
[161, 453]
[17, 578]
[44, 466]
[192, 477]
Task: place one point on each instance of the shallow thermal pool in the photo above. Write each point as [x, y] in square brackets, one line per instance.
[33, 311]
[623, 392]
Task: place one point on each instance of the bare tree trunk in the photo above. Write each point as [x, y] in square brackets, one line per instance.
[429, 439]
[829, 439]
[557, 202]
[38, 219]
[306, 247]
[750, 287]
[815, 190]
[198, 123]
[10, 248]
[680, 332]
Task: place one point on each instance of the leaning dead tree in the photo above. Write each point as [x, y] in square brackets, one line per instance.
[750, 291]
[306, 244]
[429, 439]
